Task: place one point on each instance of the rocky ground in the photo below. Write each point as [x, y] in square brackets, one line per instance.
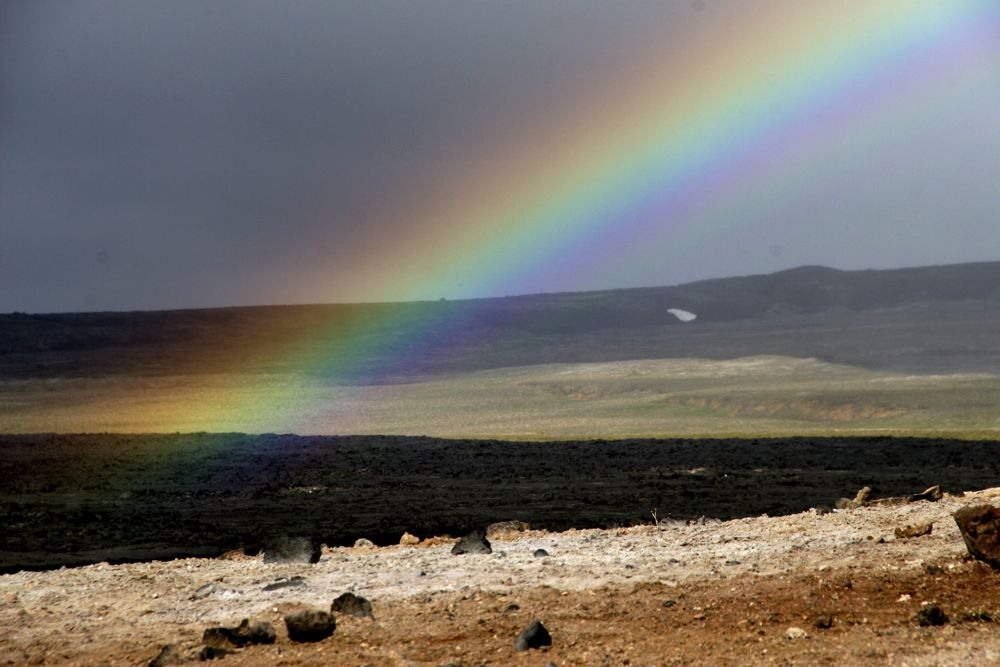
[812, 588]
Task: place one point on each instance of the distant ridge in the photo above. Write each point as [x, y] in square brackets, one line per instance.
[540, 328]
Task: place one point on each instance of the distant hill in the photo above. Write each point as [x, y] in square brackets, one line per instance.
[927, 319]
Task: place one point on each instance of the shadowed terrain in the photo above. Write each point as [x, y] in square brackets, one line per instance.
[88, 498]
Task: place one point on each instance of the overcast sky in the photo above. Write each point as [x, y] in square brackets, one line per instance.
[192, 153]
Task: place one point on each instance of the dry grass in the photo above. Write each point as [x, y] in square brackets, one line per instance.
[753, 396]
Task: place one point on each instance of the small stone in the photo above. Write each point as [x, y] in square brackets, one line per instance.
[294, 582]
[363, 543]
[541, 553]
[214, 652]
[203, 591]
[931, 615]
[292, 550]
[796, 633]
[350, 604]
[409, 540]
[310, 626]
[863, 495]
[669, 603]
[511, 608]
[533, 636]
[909, 532]
[824, 622]
[505, 527]
[473, 543]
[980, 527]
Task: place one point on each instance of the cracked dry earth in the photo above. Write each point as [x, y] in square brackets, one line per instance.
[719, 594]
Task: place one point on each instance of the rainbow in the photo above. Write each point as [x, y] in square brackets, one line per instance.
[663, 155]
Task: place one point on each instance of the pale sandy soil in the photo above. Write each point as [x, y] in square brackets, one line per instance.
[723, 593]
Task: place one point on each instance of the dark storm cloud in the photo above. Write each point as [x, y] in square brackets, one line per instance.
[196, 144]
[185, 153]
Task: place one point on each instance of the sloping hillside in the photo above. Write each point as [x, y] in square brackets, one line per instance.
[931, 319]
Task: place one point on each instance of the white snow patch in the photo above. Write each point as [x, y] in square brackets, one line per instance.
[682, 315]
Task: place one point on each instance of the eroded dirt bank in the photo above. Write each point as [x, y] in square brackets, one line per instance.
[76, 499]
[724, 593]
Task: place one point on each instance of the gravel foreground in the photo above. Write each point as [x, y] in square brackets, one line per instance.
[748, 591]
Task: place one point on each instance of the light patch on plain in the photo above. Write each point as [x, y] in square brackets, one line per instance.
[682, 315]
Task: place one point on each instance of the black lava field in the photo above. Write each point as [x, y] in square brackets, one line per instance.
[76, 499]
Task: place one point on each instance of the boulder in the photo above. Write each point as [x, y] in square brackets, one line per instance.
[350, 604]
[409, 540]
[473, 543]
[253, 632]
[533, 636]
[285, 549]
[980, 527]
[247, 632]
[310, 626]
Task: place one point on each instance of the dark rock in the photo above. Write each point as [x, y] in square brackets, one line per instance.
[294, 582]
[824, 622]
[932, 494]
[217, 637]
[473, 543]
[669, 603]
[541, 553]
[918, 530]
[292, 550]
[214, 652]
[352, 605]
[511, 608]
[980, 526]
[253, 632]
[977, 616]
[931, 615]
[310, 626]
[533, 636]
[168, 656]
[247, 632]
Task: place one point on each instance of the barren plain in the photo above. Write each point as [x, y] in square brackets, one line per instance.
[807, 589]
